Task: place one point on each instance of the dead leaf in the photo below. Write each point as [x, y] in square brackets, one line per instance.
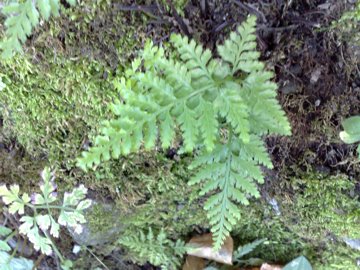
[266, 266]
[203, 248]
[194, 263]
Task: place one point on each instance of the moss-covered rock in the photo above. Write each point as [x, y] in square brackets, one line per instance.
[316, 213]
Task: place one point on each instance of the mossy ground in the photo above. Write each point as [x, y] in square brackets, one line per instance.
[57, 95]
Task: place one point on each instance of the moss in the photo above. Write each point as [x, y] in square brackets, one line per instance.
[323, 206]
[338, 256]
[157, 195]
[317, 212]
[100, 219]
[51, 110]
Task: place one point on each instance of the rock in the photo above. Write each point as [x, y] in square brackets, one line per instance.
[275, 206]
[353, 243]
[103, 226]
[315, 75]
[289, 87]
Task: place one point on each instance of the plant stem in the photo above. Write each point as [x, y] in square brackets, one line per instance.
[89, 250]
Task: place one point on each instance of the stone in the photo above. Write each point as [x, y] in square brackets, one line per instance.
[103, 226]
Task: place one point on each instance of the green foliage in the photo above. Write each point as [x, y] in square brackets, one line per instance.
[21, 18]
[178, 4]
[2, 85]
[348, 25]
[46, 109]
[337, 256]
[201, 95]
[159, 189]
[232, 170]
[326, 204]
[300, 263]
[39, 226]
[4, 232]
[8, 262]
[158, 250]
[351, 133]
[241, 251]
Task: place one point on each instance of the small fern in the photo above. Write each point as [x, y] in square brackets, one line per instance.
[22, 17]
[221, 106]
[158, 250]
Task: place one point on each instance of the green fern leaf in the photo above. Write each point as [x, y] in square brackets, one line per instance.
[208, 124]
[203, 98]
[233, 175]
[44, 8]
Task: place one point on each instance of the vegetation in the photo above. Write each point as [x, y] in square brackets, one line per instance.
[171, 93]
[39, 227]
[158, 250]
[22, 17]
[187, 127]
[351, 133]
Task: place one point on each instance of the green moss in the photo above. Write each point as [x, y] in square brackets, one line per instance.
[259, 221]
[100, 219]
[51, 110]
[338, 256]
[322, 206]
[157, 195]
[317, 212]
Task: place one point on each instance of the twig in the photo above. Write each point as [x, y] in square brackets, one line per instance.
[38, 261]
[278, 29]
[178, 18]
[251, 9]
[89, 250]
[120, 7]
[148, 10]
[220, 27]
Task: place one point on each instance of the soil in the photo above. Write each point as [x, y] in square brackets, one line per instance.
[318, 77]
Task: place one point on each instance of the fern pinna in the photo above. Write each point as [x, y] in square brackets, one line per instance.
[221, 106]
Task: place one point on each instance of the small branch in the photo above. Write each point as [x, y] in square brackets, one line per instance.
[178, 19]
[148, 10]
[120, 7]
[249, 8]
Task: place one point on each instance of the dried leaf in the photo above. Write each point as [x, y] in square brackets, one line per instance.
[203, 248]
[194, 263]
[266, 266]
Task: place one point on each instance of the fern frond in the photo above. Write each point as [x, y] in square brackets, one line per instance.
[199, 96]
[232, 175]
[22, 17]
[158, 250]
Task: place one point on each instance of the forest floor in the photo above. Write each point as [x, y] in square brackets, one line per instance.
[317, 71]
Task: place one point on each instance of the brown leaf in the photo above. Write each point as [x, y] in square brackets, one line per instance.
[266, 266]
[204, 249]
[194, 263]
